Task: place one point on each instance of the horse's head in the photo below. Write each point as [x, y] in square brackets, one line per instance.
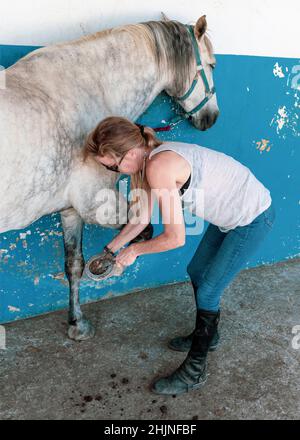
[192, 80]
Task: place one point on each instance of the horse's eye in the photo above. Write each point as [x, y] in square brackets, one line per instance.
[213, 66]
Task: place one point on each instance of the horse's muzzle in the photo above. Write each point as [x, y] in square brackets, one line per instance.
[206, 121]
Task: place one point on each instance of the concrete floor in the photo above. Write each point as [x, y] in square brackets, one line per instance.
[254, 374]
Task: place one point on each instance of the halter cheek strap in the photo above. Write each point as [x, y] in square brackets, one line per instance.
[209, 92]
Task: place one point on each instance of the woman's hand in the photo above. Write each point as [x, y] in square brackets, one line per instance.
[126, 256]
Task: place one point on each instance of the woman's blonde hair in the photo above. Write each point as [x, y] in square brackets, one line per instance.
[114, 136]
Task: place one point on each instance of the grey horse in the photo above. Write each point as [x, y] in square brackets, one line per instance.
[56, 95]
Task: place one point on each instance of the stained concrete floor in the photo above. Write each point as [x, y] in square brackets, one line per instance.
[254, 374]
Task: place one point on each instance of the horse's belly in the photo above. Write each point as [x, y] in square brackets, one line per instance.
[18, 214]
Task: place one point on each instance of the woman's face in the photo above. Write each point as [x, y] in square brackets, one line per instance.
[130, 163]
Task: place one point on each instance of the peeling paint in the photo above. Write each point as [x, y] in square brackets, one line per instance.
[57, 276]
[277, 71]
[22, 263]
[280, 119]
[36, 280]
[283, 117]
[263, 145]
[23, 235]
[13, 309]
[287, 118]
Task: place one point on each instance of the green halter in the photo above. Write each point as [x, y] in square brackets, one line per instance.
[209, 92]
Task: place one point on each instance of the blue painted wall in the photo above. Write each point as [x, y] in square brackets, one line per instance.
[249, 95]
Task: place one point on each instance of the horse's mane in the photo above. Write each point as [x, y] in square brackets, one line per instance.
[171, 45]
[169, 41]
[159, 29]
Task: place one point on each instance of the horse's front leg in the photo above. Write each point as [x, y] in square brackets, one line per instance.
[79, 328]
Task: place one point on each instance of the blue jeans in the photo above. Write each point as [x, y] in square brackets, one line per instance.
[220, 256]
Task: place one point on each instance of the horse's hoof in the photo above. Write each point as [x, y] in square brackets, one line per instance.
[81, 331]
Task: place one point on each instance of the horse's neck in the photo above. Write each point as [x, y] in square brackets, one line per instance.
[85, 81]
[129, 74]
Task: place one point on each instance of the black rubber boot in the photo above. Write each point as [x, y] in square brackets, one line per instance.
[184, 343]
[191, 374]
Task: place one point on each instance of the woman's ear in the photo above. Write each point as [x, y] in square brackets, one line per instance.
[200, 27]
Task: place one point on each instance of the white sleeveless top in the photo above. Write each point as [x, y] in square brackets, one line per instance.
[222, 191]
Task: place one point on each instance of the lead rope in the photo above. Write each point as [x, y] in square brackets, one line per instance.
[171, 124]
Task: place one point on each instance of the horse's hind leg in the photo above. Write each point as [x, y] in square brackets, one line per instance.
[79, 328]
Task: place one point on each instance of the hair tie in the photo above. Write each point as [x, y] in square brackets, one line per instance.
[141, 127]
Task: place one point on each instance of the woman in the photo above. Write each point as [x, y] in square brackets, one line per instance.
[237, 206]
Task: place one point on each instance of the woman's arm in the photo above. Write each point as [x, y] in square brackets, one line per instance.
[132, 230]
[171, 210]
[128, 233]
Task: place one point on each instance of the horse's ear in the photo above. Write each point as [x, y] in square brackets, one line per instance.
[200, 27]
[164, 17]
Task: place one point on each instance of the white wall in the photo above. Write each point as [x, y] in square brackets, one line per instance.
[247, 27]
